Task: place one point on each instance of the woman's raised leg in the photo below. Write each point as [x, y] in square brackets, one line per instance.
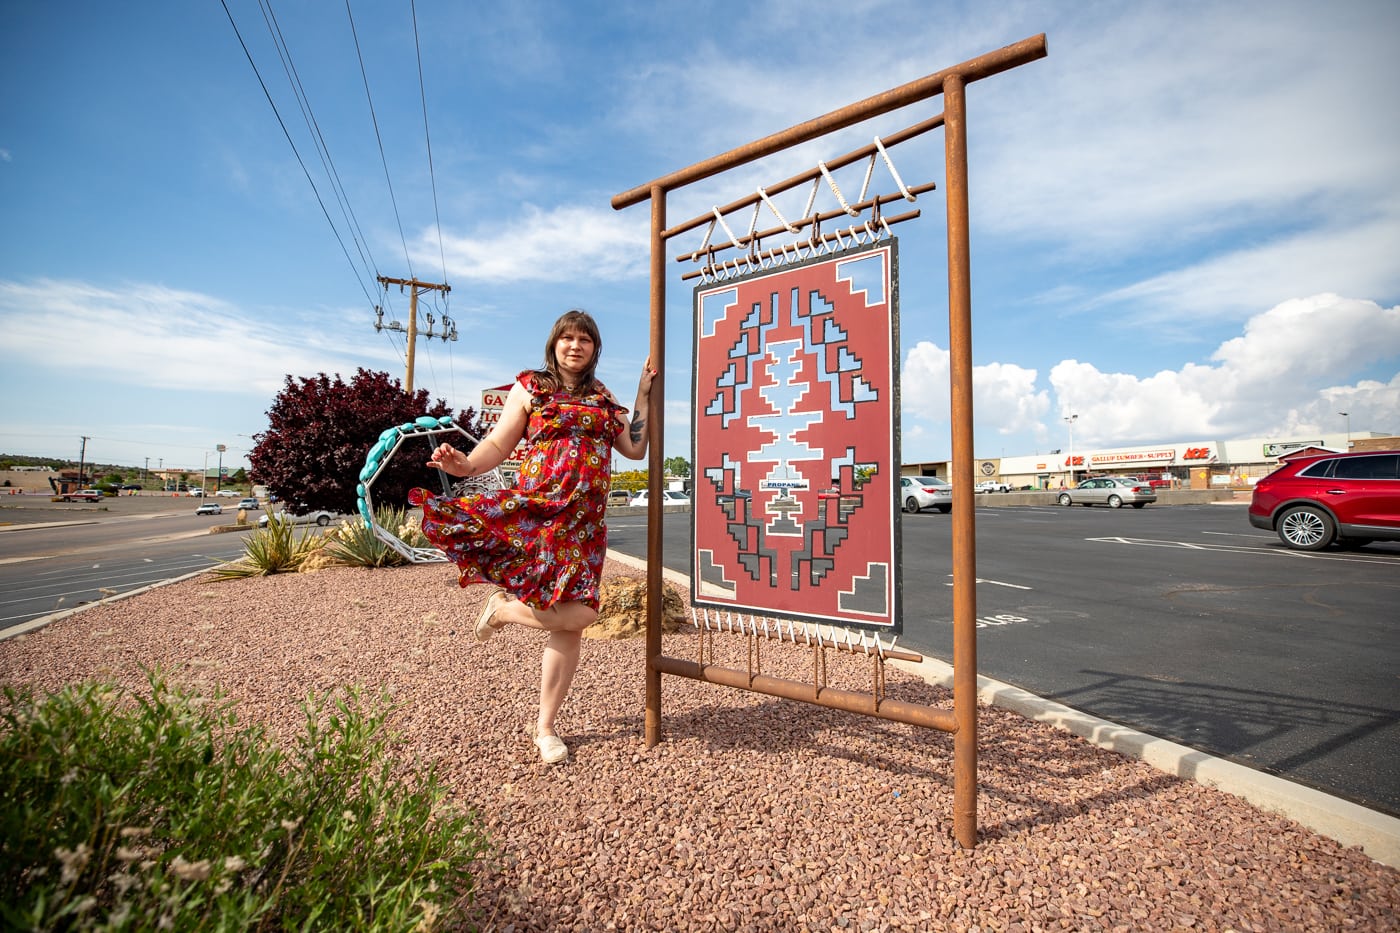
[561, 617]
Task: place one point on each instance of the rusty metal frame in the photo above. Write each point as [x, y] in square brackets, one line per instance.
[952, 84]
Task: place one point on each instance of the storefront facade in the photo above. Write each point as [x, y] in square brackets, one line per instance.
[1197, 463]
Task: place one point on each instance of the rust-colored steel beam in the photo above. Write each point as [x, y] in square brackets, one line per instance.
[915, 714]
[656, 462]
[984, 66]
[964, 509]
[811, 174]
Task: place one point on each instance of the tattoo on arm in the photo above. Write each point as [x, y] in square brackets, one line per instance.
[637, 428]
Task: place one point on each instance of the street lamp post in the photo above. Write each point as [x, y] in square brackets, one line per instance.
[1347, 415]
[1071, 419]
[220, 448]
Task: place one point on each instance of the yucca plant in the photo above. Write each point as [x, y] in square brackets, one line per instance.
[274, 548]
[355, 543]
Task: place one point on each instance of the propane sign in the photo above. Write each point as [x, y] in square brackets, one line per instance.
[493, 402]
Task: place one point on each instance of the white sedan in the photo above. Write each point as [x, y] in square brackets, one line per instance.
[314, 517]
[925, 492]
[668, 496]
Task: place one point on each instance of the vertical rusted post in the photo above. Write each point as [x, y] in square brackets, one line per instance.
[656, 460]
[964, 505]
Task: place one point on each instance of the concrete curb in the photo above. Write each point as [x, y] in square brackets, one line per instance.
[52, 617]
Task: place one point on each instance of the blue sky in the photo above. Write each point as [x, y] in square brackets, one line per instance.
[1185, 220]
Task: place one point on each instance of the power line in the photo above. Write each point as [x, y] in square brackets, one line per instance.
[284, 52]
[375, 119]
[290, 142]
[427, 140]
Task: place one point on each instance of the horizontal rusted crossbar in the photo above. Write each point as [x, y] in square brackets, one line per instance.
[915, 714]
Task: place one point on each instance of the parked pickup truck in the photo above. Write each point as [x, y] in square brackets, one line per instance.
[991, 485]
[87, 495]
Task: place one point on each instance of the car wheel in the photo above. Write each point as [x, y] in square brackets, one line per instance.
[1064, 499]
[1138, 505]
[1306, 528]
[911, 505]
[1115, 502]
[323, 520]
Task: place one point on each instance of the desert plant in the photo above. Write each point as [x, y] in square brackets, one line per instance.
[355, 543]
[146, 812]
[274, 548]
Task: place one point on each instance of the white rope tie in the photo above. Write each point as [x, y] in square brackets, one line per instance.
[776, 213]
[719, 217]
[894, 173]
[837, 191]
[811, 198]
[869, 170]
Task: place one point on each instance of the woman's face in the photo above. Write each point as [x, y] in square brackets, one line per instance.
[573, 351]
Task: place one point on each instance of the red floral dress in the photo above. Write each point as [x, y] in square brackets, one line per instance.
[544, 540]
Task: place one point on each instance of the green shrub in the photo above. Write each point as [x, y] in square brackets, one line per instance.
[274, 548]
[146, 812]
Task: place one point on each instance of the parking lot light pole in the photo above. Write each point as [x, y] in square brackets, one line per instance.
[1347, 415]
[1071, 419]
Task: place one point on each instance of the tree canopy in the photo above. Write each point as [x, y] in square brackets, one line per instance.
[320, 428]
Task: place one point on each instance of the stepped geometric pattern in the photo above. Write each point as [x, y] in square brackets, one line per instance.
[796, 448]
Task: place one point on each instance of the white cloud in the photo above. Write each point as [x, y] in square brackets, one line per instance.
[1359, 257]
[562, 244]
[1293, 368]
[1005, 397]
[159, 337]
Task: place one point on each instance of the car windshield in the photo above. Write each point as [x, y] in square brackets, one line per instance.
[930, 481]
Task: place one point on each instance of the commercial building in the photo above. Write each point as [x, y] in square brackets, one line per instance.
[1196, 463]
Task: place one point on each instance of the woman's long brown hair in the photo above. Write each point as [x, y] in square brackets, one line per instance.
[549, 378]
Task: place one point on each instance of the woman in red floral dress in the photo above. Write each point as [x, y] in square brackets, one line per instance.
[543, 542]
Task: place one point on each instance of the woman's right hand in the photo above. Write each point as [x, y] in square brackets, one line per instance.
[450, 460]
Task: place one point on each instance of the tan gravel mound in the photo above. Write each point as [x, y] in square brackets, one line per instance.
[622, 609]
[755, 813]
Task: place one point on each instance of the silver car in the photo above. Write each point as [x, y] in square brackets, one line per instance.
[1112, 491]
[925, 492]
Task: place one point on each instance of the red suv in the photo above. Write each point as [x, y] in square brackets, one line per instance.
[1352, 499]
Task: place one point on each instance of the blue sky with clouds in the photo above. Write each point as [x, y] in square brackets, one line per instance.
[1185, 220]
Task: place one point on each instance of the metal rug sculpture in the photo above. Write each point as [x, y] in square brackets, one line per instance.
[795, 442]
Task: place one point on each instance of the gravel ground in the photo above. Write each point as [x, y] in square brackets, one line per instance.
[754, 813]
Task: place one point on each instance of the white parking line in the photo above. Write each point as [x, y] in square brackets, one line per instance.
[1014, 586]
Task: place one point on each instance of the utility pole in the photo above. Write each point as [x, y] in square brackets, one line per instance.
[449, 329]
[82, 455]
